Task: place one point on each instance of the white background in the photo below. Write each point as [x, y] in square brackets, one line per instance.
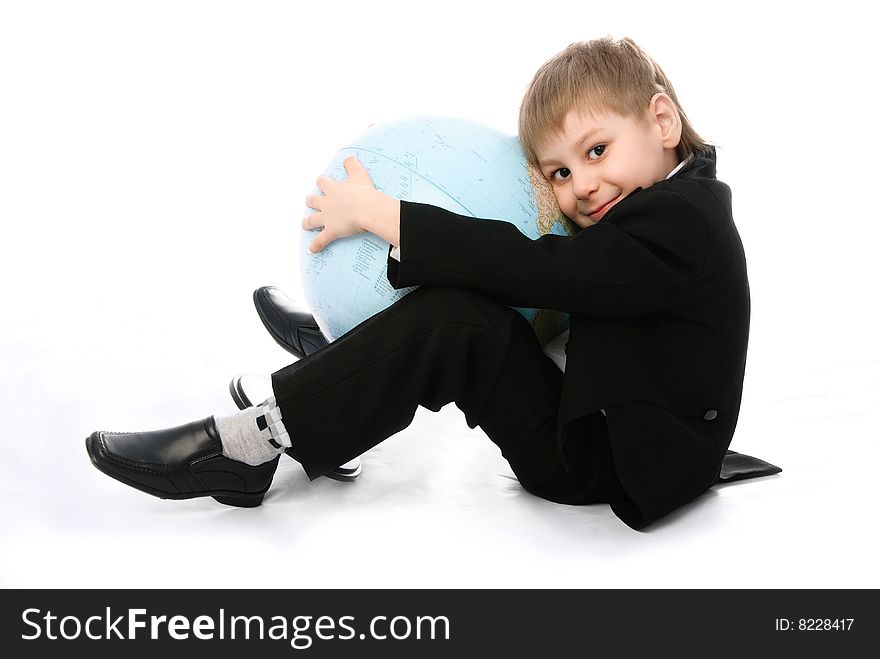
[154, 159]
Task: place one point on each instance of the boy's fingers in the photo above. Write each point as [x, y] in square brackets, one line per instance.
[352, 164]
[356, 170]
[324, 183]
[321, 241]
[317, 244]
[312, 221]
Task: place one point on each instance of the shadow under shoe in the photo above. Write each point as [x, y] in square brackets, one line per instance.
[182, 462]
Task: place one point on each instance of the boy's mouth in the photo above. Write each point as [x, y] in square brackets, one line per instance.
[597, 214]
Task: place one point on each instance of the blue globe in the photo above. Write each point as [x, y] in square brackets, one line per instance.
[459, 165]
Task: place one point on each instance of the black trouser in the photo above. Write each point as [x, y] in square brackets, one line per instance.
[434, 346]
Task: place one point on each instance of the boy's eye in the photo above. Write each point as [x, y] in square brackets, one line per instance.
[560, 174]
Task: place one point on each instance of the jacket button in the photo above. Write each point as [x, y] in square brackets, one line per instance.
[710, 415]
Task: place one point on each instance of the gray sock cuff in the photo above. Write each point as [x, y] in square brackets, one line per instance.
[271, 425]
[255, 435]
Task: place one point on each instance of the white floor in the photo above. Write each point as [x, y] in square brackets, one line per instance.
[152, 172]
[436, 506]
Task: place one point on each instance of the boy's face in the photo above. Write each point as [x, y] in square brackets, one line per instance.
[600, 158]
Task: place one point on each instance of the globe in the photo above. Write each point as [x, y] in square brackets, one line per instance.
[453, 163]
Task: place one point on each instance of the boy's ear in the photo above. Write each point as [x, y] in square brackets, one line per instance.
[663, 112]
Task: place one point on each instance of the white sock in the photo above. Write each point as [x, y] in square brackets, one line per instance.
[254, 435]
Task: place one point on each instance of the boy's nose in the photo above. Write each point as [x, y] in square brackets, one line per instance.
[584, 185]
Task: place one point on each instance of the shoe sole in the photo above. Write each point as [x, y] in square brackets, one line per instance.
[237, 499]
[341, 473]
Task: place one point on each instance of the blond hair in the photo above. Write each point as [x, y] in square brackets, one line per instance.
[599, 75]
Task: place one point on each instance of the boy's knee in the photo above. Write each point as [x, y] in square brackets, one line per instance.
[450, 305]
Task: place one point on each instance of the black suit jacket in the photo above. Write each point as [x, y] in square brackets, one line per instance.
[659, 301]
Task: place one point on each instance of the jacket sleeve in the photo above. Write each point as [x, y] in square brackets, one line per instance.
[639, 262]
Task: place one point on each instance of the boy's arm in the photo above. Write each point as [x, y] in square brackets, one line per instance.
[639, 262]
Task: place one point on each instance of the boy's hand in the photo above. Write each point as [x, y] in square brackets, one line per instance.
[350, 207]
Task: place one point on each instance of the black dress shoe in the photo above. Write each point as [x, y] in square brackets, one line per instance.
[294, 330]
[180, 463]
[249, 389]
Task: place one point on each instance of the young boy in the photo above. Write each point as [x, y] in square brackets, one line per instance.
[655, 283]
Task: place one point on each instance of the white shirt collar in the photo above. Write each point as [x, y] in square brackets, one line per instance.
[679, 166]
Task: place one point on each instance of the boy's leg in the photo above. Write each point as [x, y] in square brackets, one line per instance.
[435, 346]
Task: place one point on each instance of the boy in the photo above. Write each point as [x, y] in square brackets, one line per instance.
[655, 283]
